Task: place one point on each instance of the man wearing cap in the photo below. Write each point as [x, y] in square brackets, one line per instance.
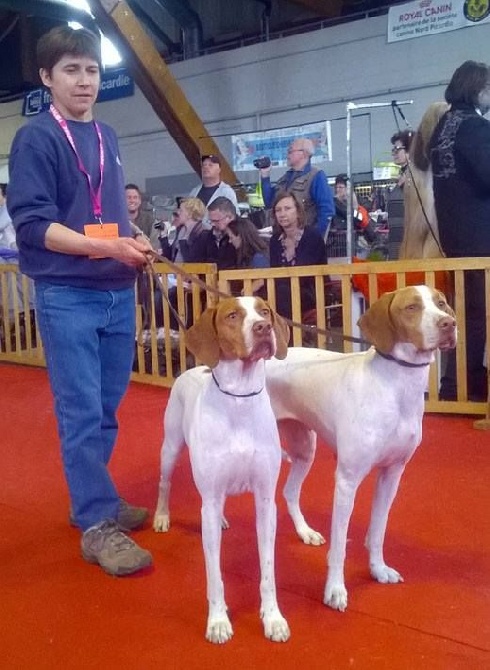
[308, 183]
[212, 187]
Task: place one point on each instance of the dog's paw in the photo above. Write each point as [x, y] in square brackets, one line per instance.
[276, 628]
[219, 630]
[310, 536]
[383, 574]
[335, 597]
[161, 523]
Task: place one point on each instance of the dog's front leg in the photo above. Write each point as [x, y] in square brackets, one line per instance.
[335, 595]
[386, 487]
[275, 625]
[219, 628]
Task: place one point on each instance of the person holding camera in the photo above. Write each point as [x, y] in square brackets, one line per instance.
[308, 183]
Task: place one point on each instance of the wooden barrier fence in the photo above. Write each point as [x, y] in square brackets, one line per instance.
[160, 353]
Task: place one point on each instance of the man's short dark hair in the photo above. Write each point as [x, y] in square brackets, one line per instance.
[3, 189]
[63, 40]
[133, 187]
[405, 138]
[224, 205]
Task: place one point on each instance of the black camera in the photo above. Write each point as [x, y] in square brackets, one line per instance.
[262, 162]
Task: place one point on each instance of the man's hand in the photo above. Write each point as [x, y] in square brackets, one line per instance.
[132, 252]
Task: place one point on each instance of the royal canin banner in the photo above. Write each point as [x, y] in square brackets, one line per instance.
[430, 17]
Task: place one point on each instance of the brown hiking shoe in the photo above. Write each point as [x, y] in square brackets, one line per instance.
[106, 545]
[129, 517]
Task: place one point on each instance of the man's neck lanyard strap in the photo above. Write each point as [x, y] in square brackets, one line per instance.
[95, 195]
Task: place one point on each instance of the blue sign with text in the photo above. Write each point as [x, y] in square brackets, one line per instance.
[114, 84]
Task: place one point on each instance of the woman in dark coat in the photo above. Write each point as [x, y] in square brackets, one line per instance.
[293, 243]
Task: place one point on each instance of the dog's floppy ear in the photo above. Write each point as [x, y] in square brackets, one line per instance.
[377, 326]
[202, 340]
[281, 331]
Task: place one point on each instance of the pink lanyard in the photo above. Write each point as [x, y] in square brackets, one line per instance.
[95, 196]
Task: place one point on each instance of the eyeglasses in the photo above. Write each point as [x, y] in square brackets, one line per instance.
[216, 222]
[291, 151]
[396, 150]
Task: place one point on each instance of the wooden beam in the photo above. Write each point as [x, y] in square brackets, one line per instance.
[157, 83]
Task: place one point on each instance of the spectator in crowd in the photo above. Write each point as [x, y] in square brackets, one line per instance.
[212, 187]
[190, 245]
[308, 183]
[143, 219]
[460, 159]
[10, 254]
[294, 243]
[65, 174]
[7, 230]
[252, 249]
[394, 206]
[221, 212]
[420, 231]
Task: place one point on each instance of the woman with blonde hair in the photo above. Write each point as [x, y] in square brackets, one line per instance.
[421, 232]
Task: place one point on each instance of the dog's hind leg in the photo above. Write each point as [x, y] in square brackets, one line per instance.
[275, 625]
[219, 628]
[386, 487]
[173, 444]
[301, 448]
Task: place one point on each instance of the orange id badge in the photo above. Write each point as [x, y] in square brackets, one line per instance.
[101, 231]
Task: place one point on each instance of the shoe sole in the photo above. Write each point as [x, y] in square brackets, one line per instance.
[121, 570]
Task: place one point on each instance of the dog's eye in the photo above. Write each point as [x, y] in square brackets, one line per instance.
[412, 307]
[265, 312]
[231, 316]
[442, 304]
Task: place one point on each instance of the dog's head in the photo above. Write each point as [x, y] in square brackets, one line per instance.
[418, 315]
[238, 328]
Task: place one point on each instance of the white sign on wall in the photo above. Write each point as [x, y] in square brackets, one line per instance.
[430, 17]
[274, 143]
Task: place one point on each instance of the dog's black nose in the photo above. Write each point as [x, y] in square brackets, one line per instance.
[447, 323]
[262, 328]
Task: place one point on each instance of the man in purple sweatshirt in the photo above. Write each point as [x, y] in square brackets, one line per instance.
[68, 206]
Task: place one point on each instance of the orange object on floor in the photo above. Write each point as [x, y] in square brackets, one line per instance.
[56, 611]
[387, 281]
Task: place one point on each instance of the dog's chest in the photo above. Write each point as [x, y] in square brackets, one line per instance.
[234, 444]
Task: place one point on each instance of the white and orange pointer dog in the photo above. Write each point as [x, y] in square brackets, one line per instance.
[368, 407]
[225, 417]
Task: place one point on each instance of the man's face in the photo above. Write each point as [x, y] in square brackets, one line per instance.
[210, 171]
[219, 220]
[341, 191]
[74, 84]
[133, 200]
[296, 156]
[484, 100]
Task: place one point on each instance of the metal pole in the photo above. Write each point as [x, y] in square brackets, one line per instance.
[350, 107]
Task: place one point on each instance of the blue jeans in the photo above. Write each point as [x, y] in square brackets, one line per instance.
[88, 339]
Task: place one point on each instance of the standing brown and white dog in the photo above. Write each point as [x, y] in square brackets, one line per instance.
[225, 417]
[368, 407]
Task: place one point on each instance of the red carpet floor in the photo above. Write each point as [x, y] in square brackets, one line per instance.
[56, 611]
